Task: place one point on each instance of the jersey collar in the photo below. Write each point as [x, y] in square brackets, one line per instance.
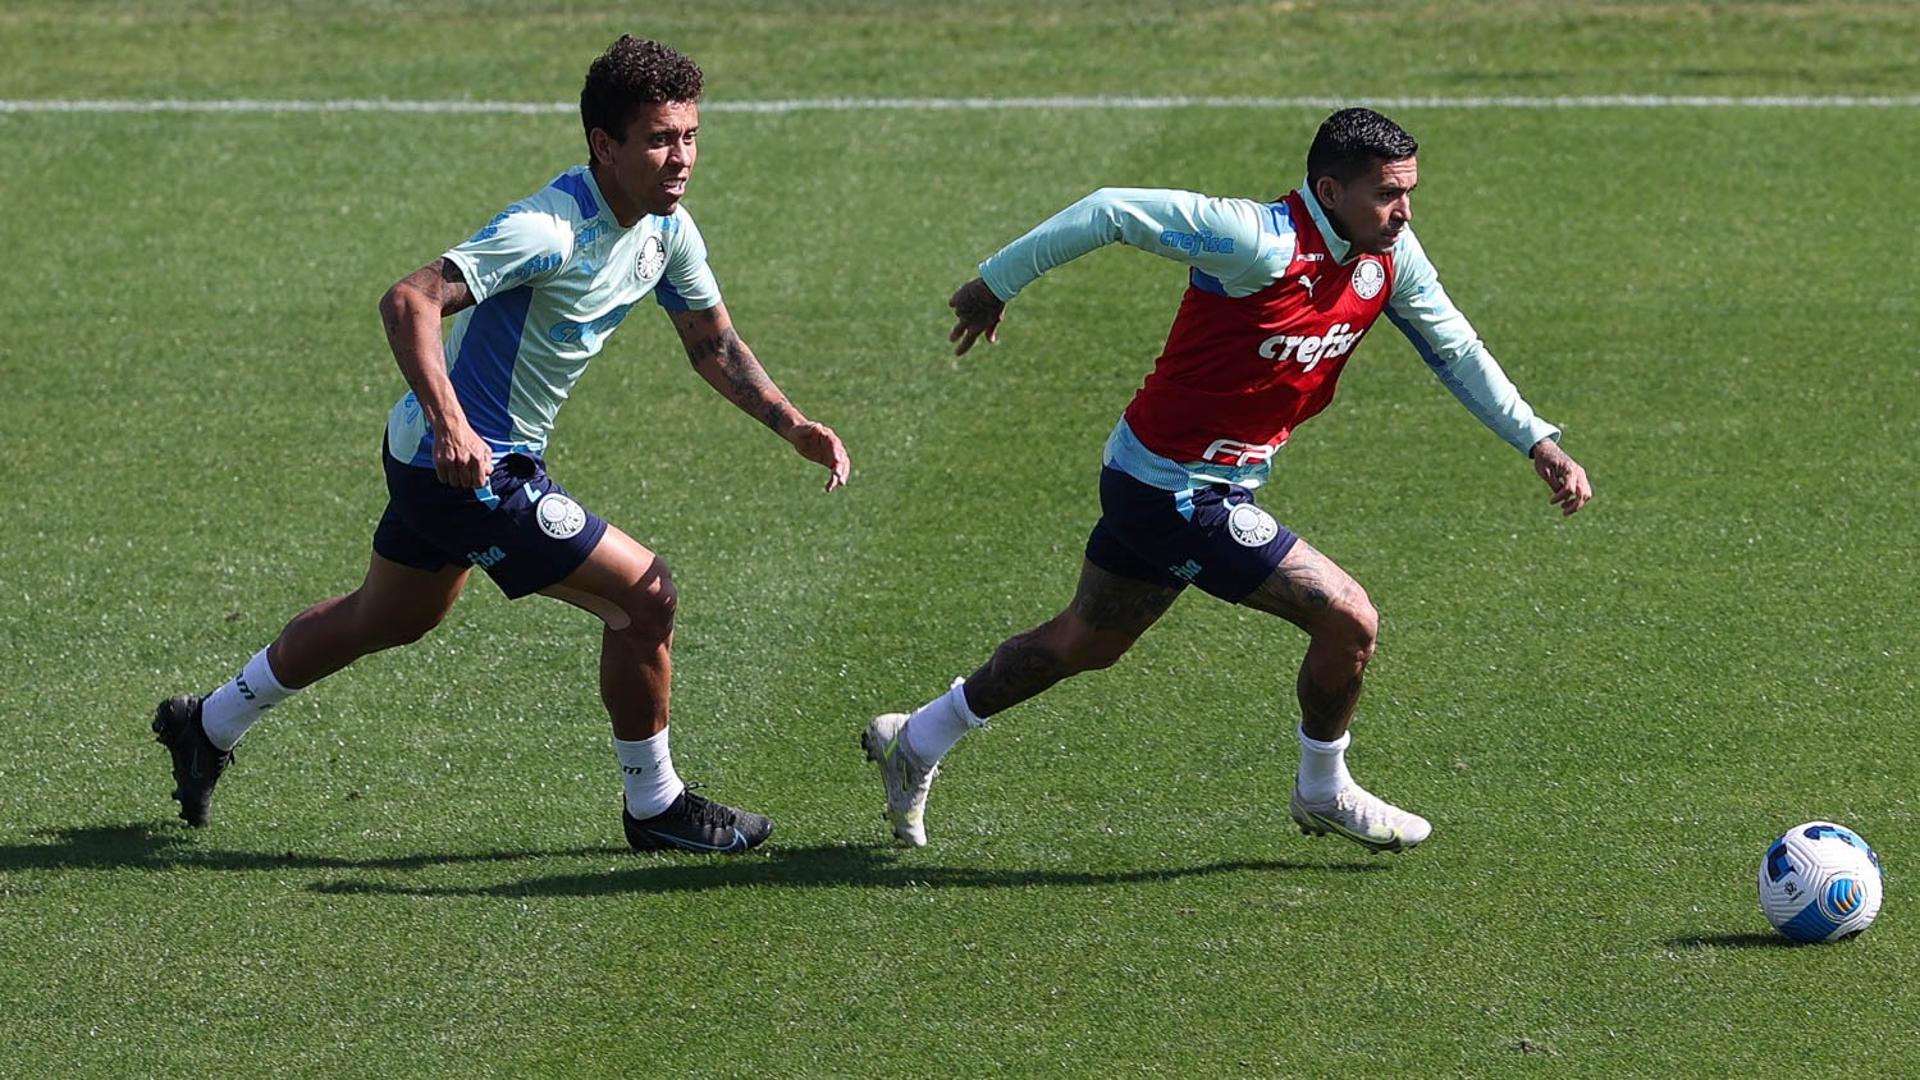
[599, 197]
[1337, 245]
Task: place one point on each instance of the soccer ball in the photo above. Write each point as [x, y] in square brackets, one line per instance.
[1820, 882]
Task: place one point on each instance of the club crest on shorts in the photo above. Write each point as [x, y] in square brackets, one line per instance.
[1368, 277]
[1251, 526]
[653, 259]
[559, 516]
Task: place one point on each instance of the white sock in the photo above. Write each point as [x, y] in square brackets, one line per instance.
[228, 712]
[1323, 767]
[646, 766]
[934, 727]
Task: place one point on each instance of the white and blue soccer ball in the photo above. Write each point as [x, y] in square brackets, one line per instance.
[1820, 882]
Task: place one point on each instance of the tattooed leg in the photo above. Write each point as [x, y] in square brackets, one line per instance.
[1310, 591]
[1107, 615]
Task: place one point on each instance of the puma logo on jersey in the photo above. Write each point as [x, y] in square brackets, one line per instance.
[1307, 350]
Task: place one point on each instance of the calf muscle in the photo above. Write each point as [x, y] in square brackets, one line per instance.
[1107, 615]
[1023, 666]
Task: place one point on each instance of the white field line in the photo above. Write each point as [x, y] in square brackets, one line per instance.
[955, 104]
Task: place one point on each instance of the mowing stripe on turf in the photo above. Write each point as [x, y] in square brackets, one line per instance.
[902, 104]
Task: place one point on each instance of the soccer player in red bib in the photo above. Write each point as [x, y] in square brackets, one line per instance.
[1280, 295]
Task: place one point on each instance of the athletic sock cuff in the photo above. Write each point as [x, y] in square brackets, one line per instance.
[261, 670]
[962, 706]
[1334, 746]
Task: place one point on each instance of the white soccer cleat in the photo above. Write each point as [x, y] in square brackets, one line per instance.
[907, 780]
[1362, 817]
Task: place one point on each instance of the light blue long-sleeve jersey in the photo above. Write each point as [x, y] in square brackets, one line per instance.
[1243, 246]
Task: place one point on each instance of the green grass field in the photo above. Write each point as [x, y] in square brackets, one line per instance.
[416, 868]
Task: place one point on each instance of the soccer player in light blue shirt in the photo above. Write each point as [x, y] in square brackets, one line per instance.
[534, 295]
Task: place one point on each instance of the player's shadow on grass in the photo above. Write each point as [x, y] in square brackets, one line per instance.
[141, 845]
[817, 866]
[145, 846]
[1731, 941]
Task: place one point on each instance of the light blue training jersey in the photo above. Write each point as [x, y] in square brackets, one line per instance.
[552, 275]
[1238, 247]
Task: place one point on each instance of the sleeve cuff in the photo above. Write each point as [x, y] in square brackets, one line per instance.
[468, 273]
[1001, 290]
[1537, 431]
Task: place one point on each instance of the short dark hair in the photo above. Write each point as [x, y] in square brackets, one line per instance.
[1352, 141]
[630, 75]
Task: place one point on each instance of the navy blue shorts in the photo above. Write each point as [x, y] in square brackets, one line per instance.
[523, 529]
[1213, 537]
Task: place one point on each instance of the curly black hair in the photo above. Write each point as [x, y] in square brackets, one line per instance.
[1352, 141]
[630, 75]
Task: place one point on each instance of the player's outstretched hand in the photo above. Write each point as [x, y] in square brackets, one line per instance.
[817, 443]
[1571, 489]
[977, 312]
[461, 458]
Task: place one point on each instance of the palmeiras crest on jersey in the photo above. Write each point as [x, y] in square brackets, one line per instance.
[1251, 526]
[653, 259]
[559, 516]
[1367, 279]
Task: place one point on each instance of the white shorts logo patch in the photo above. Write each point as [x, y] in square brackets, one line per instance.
[1251, 526]
[1368, 277]
[653, 259]
[559, 516]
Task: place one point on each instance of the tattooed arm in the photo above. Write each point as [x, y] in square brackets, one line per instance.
[411, 312]
[730, 367]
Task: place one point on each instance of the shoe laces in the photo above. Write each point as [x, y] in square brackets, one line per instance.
[705, 811]
[1366, 806]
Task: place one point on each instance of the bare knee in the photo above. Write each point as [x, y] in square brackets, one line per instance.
[1350, 631]
[650, 603]
[1082, 648]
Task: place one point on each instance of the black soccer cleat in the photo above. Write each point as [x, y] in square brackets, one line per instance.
[694, 823]
[197, 763]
